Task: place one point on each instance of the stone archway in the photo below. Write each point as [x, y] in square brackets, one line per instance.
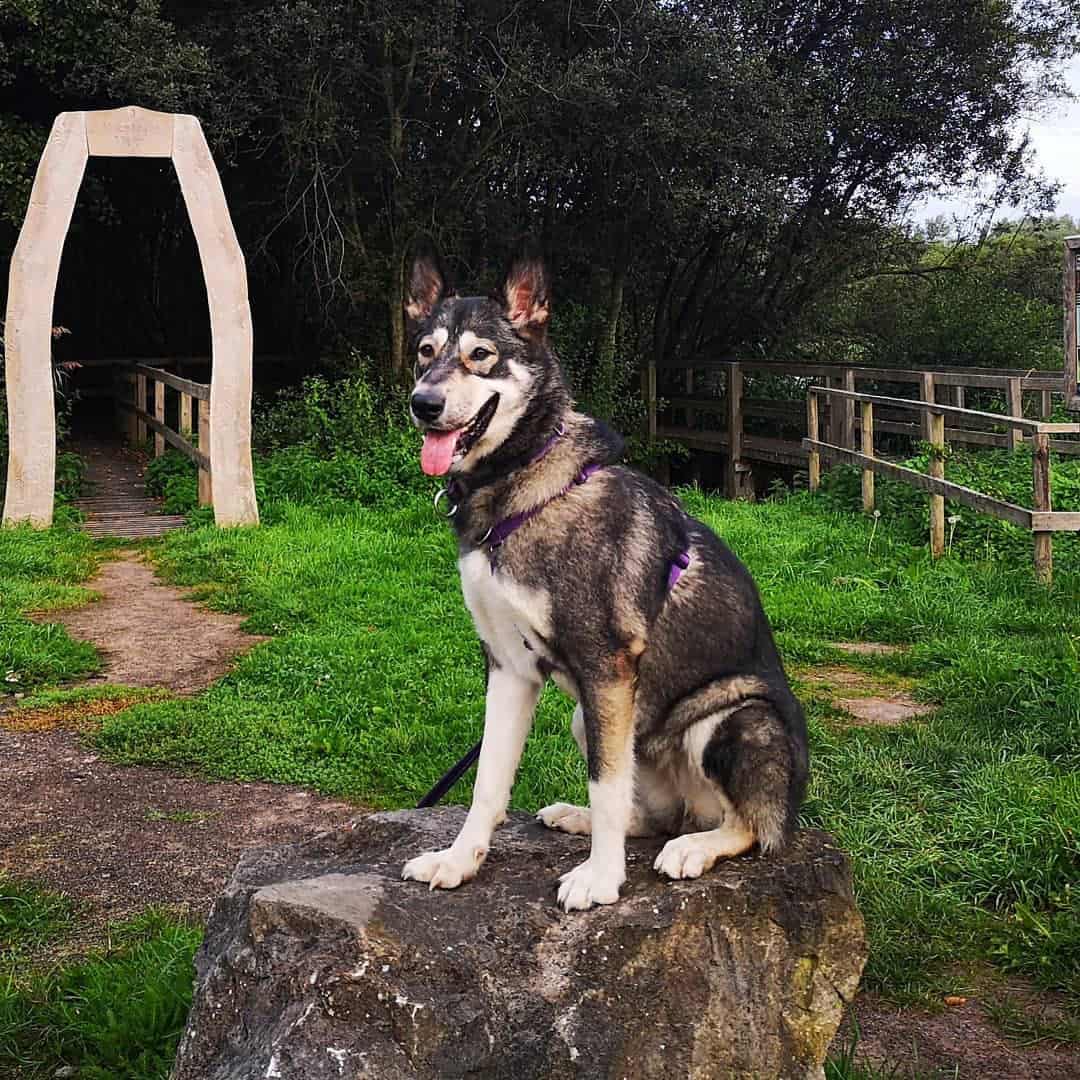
[35, 264]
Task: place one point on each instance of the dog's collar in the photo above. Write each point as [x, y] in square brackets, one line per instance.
[456, 490]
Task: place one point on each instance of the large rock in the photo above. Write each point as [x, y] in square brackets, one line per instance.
[320, 962]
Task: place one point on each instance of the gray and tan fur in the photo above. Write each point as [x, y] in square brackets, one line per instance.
[684, 713]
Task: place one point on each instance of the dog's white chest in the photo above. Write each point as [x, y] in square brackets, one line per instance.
[506, 615]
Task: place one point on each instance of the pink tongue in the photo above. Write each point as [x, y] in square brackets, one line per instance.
[438, 452]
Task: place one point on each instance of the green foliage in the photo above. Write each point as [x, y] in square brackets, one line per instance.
[372, 686]
[116, 1015]
[325, 417]
[174, 479]
[40, 570]
[1002, 474]
[991, 301]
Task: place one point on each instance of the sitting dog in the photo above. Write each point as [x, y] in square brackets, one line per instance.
[582, 570]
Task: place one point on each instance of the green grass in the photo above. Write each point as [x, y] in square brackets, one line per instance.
[39, 571]
[116, 1014]
[30, 916]
[963, 828]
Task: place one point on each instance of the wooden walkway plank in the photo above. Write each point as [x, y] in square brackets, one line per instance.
[117, 504]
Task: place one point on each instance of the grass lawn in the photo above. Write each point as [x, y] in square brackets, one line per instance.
[114, 1015]
[964, 828]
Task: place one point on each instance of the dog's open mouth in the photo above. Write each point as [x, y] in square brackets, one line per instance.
[442, 448]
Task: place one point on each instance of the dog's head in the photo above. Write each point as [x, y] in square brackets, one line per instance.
[482, 363]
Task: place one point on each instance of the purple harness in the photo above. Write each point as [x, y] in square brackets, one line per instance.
[497, 535]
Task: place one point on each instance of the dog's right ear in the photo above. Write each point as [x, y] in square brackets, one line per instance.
[427, 286]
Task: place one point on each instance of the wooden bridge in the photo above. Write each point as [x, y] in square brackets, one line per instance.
[756, 411]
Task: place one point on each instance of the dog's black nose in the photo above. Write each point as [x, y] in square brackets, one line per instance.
[427, 404]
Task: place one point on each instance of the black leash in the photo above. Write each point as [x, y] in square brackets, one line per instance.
[449, 778]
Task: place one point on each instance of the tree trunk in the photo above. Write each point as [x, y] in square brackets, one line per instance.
[609, 328]
[398, 367]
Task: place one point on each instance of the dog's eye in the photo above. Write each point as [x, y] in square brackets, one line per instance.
[479, 355]
[427, 350]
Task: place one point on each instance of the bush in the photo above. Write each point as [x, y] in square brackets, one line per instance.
[325, 417]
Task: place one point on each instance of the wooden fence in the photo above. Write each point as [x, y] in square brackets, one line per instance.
[1041, 520]
[684, 416]
[193, 416]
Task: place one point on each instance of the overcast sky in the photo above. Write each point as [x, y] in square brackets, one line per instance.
[1056, 138]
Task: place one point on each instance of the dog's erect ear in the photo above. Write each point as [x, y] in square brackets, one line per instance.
[427, 286]
[527, 294]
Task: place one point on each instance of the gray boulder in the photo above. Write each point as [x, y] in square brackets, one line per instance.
[320, 962]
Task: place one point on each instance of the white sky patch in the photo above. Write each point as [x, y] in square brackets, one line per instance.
[1055, 137]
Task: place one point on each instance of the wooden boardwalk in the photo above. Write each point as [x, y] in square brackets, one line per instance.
[117, 503]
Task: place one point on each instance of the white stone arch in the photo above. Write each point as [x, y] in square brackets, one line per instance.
[127, 132]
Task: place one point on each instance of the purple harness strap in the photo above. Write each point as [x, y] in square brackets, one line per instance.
[498, 533]
[680, 563]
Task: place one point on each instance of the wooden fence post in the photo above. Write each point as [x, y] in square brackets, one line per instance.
[131, 418]
[868, 450]
[937, 469]
[836, 412]
[926, 393]
[813, 434]
[159, 416]
[185, 415]
[1044, 541]
[849, 411]
[1046, 404]
[735, 428]
[140, 401]
[691, 414]
[958, 397]
[1016, 408]
[205, 478]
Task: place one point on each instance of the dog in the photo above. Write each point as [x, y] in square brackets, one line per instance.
[579, 569]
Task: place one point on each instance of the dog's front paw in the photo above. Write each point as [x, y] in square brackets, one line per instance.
[587, 884]
[445, 869]
[567, 818]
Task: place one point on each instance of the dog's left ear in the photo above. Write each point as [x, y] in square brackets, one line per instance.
[527, 295]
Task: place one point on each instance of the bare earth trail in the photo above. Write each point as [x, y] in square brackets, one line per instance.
[117, 838]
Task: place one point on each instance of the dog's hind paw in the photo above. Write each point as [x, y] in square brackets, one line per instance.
[445, 869]
[567, 818]
[587, 885]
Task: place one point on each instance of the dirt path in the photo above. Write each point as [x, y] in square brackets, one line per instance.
[150, 635]
[120, 837]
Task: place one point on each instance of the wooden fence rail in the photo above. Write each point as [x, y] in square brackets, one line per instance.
[1041, 521]
[1035, 390]
[139, 377]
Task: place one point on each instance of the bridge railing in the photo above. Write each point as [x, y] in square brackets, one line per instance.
[1041, 521]
[141, 387]
[679, 410]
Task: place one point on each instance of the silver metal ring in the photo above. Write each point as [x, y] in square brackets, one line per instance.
[438, 495]
[484, 537]
[452, 511]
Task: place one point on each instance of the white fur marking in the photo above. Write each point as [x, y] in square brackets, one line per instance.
[507, 718]
[691, 855]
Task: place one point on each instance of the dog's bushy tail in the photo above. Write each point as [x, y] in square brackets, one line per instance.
[759, 757]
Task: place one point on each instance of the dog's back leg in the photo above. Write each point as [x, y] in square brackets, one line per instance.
[657, 803]
[745, 775]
